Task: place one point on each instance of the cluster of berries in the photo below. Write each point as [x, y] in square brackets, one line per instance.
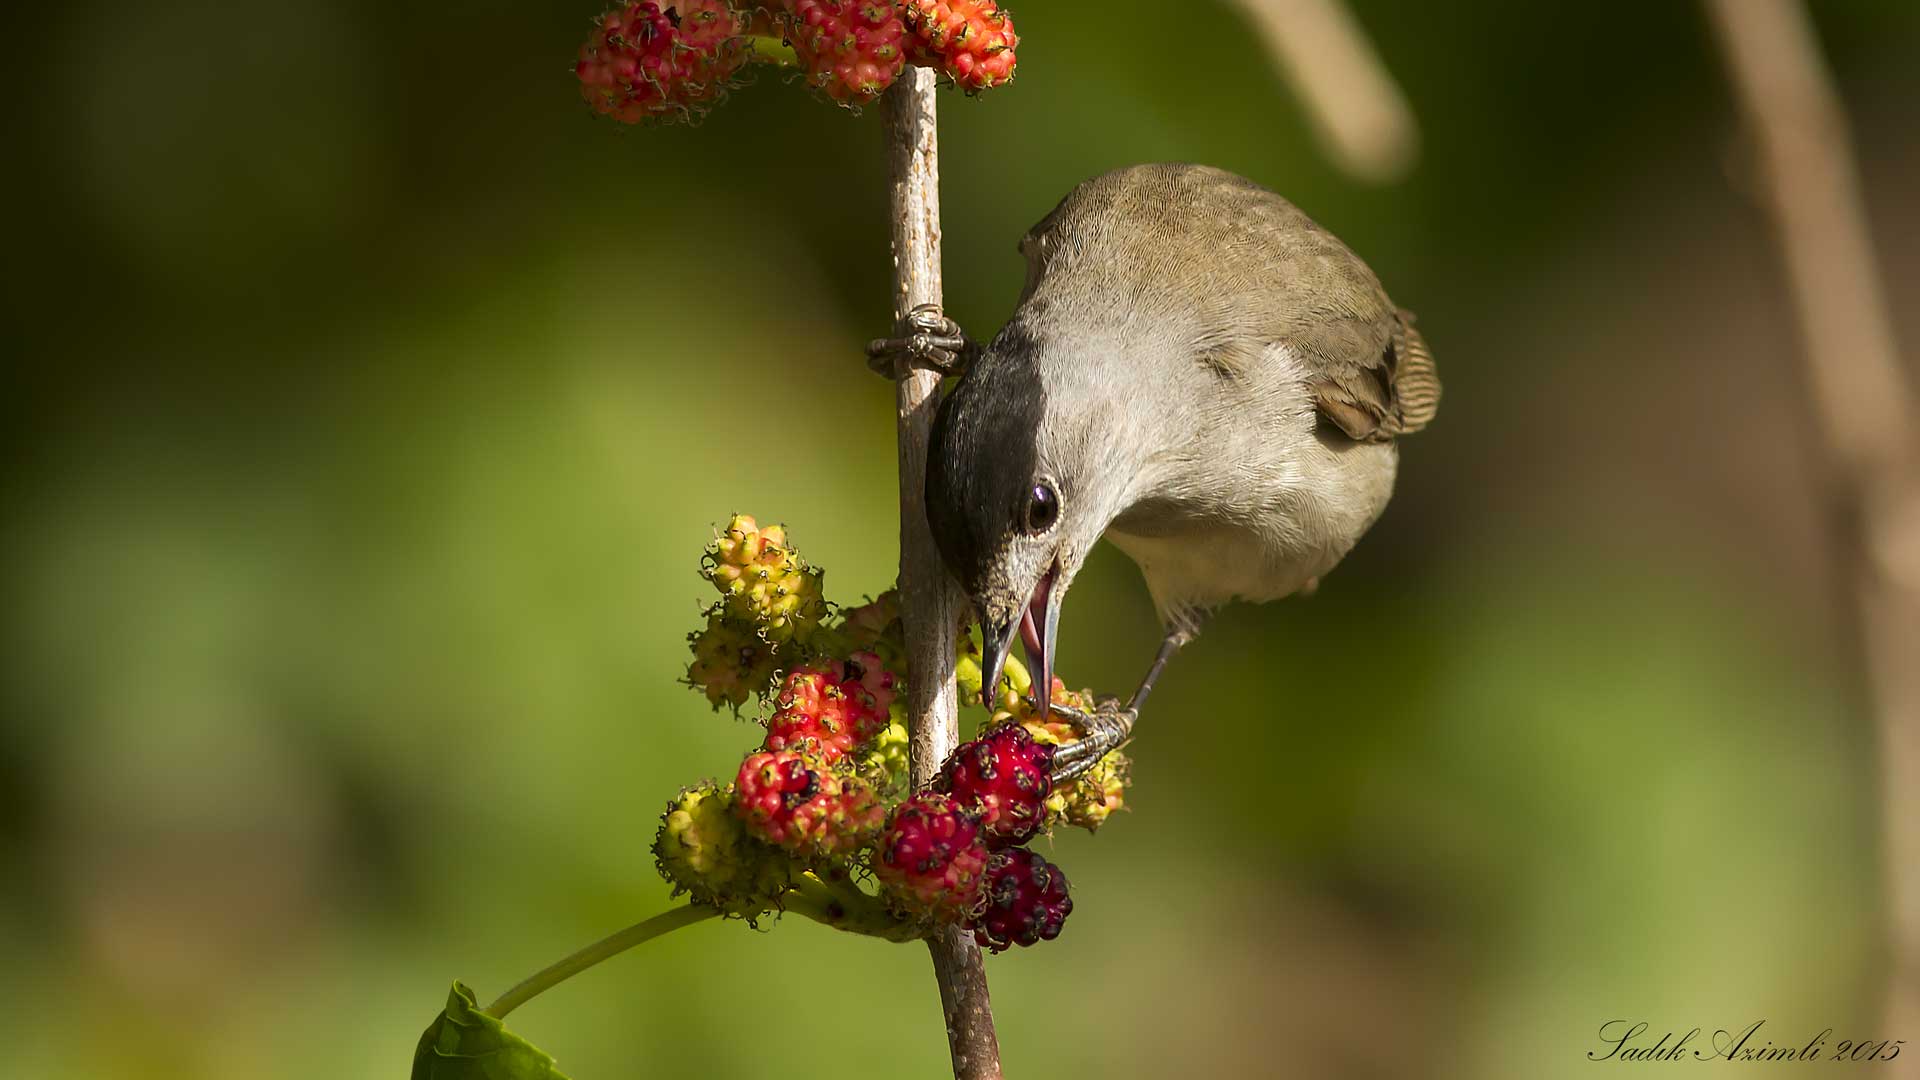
[770, 608]
[951, 855]
[852, 50]
[763, 581]
[824, 798]
[667, 60]
[802, 791]
[812, 795]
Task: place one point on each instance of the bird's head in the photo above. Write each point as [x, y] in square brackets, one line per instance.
[1020, 486]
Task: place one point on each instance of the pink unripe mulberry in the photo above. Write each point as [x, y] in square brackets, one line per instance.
[806, 805]
[851, 50]
[663, 62]
[932, 859]
[834, 709]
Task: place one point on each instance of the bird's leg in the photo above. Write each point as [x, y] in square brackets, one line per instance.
[928, 340]
[1109, 726]
[1172, 643]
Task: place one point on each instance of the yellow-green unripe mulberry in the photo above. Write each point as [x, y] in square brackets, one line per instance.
[885, 760]
[1088, 800]
[731, 661]
[765, 581]
[704, 850]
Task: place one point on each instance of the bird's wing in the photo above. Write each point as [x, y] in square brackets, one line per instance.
[1243, 270]
[1372, 391]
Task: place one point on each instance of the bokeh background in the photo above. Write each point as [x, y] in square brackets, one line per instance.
[369, 404]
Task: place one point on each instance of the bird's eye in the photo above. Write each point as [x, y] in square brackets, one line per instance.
[1043, 509]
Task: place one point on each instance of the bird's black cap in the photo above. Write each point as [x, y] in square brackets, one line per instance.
[983, 455]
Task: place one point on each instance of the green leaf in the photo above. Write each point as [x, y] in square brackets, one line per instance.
[464, 1043]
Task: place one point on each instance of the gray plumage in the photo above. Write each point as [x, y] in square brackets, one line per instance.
[1203, 374]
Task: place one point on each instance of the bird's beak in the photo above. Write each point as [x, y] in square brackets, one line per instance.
[995, 643]
[1036, 624]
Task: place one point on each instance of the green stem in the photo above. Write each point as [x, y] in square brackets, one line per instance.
[864, 915]
[606, 948]
[765, 49]
[845, 889]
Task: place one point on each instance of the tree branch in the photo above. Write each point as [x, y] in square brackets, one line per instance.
[1863, 406]
[929, 602]
[1355, 107]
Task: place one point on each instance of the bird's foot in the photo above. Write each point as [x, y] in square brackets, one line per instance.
[929, 340]
[1102, 731]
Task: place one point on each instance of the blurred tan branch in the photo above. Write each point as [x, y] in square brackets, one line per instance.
[1864, 407]
[1356, 109]
[929, 601]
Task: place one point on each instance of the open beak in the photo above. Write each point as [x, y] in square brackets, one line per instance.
[1036, 624]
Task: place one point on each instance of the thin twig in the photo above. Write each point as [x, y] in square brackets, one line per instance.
[929, 602]
[605, 949]
[1357, 111]
[1865, 410]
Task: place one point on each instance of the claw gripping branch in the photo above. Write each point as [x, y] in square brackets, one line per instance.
[1090, 799]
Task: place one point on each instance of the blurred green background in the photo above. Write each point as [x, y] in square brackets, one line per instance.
[370, 404]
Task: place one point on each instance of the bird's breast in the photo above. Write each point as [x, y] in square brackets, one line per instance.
[1258, 535]
[1193, 572]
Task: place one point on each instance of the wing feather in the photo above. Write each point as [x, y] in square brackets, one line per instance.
[1373, 390]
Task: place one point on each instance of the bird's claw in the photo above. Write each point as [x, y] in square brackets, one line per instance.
[1102, 731]
[929, 340]
[1072, 714]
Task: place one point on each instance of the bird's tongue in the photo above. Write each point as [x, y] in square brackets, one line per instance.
[1032, 623]
[1030, 636]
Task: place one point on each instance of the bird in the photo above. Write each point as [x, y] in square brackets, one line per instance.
[1195, 371]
